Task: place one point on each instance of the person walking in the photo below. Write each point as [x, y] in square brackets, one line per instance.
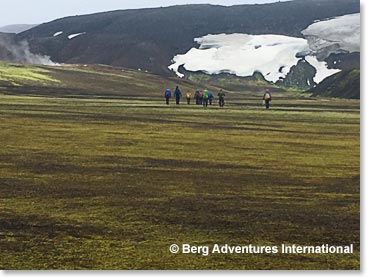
[267, 98]
[167, 95]
[211, 98]
[196, 96]
[177, 95]
[188, 97]
[205, 98]
[221, 96]
[201, 95]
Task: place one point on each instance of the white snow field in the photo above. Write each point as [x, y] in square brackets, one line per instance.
[75, 35]
[243, 54]
[340, 33]
[322, 71]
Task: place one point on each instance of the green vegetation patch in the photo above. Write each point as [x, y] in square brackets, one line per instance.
[15, 74]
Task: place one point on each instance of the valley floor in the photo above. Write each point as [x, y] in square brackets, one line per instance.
[111, 184]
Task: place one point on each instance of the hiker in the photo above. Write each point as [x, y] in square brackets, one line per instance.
[205, 98]
[201, 94]
[167, 95]
[188, 97]
[196, 97]
[267, 98]
[211, 98]
[221, 96]
[177, 95]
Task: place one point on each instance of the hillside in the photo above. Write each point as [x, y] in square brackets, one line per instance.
[150, 38]
[344, 61]
[84, 81]
[345, 84]
[231, 82]
[112, 82]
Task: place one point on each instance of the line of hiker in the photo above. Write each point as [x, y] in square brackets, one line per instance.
[201, 97]
[206, 97]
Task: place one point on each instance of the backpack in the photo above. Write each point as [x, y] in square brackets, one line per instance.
[267, 96]
[201, 94]
[168, 93]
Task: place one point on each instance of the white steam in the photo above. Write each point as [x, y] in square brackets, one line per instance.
[19, 52]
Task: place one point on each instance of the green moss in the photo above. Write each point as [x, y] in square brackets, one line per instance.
[20, 74]
[110, 184]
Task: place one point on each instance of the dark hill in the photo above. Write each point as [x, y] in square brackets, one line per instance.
[344, 61]
[345, 84]
[149, 38]
[6, 41]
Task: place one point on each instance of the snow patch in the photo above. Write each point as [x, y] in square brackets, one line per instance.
[75, 35]
[340, 33]
[243, 54]
[322, 70]
[57, 34]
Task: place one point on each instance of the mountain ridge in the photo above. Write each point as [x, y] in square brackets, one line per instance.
[16, 28]
[149, 38]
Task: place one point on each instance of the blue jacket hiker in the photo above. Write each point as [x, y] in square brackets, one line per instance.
[211, 98]
[167, 95]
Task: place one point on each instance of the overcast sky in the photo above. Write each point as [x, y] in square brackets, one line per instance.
[39, 11]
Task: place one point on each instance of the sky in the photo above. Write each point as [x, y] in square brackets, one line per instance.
[39, 11]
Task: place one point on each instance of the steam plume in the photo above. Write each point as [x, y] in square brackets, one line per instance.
[19, 52]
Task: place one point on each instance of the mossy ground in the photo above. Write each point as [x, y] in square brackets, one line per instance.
[15, 75]
[90, 183]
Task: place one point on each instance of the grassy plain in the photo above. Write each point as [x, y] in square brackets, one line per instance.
[98, 176]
